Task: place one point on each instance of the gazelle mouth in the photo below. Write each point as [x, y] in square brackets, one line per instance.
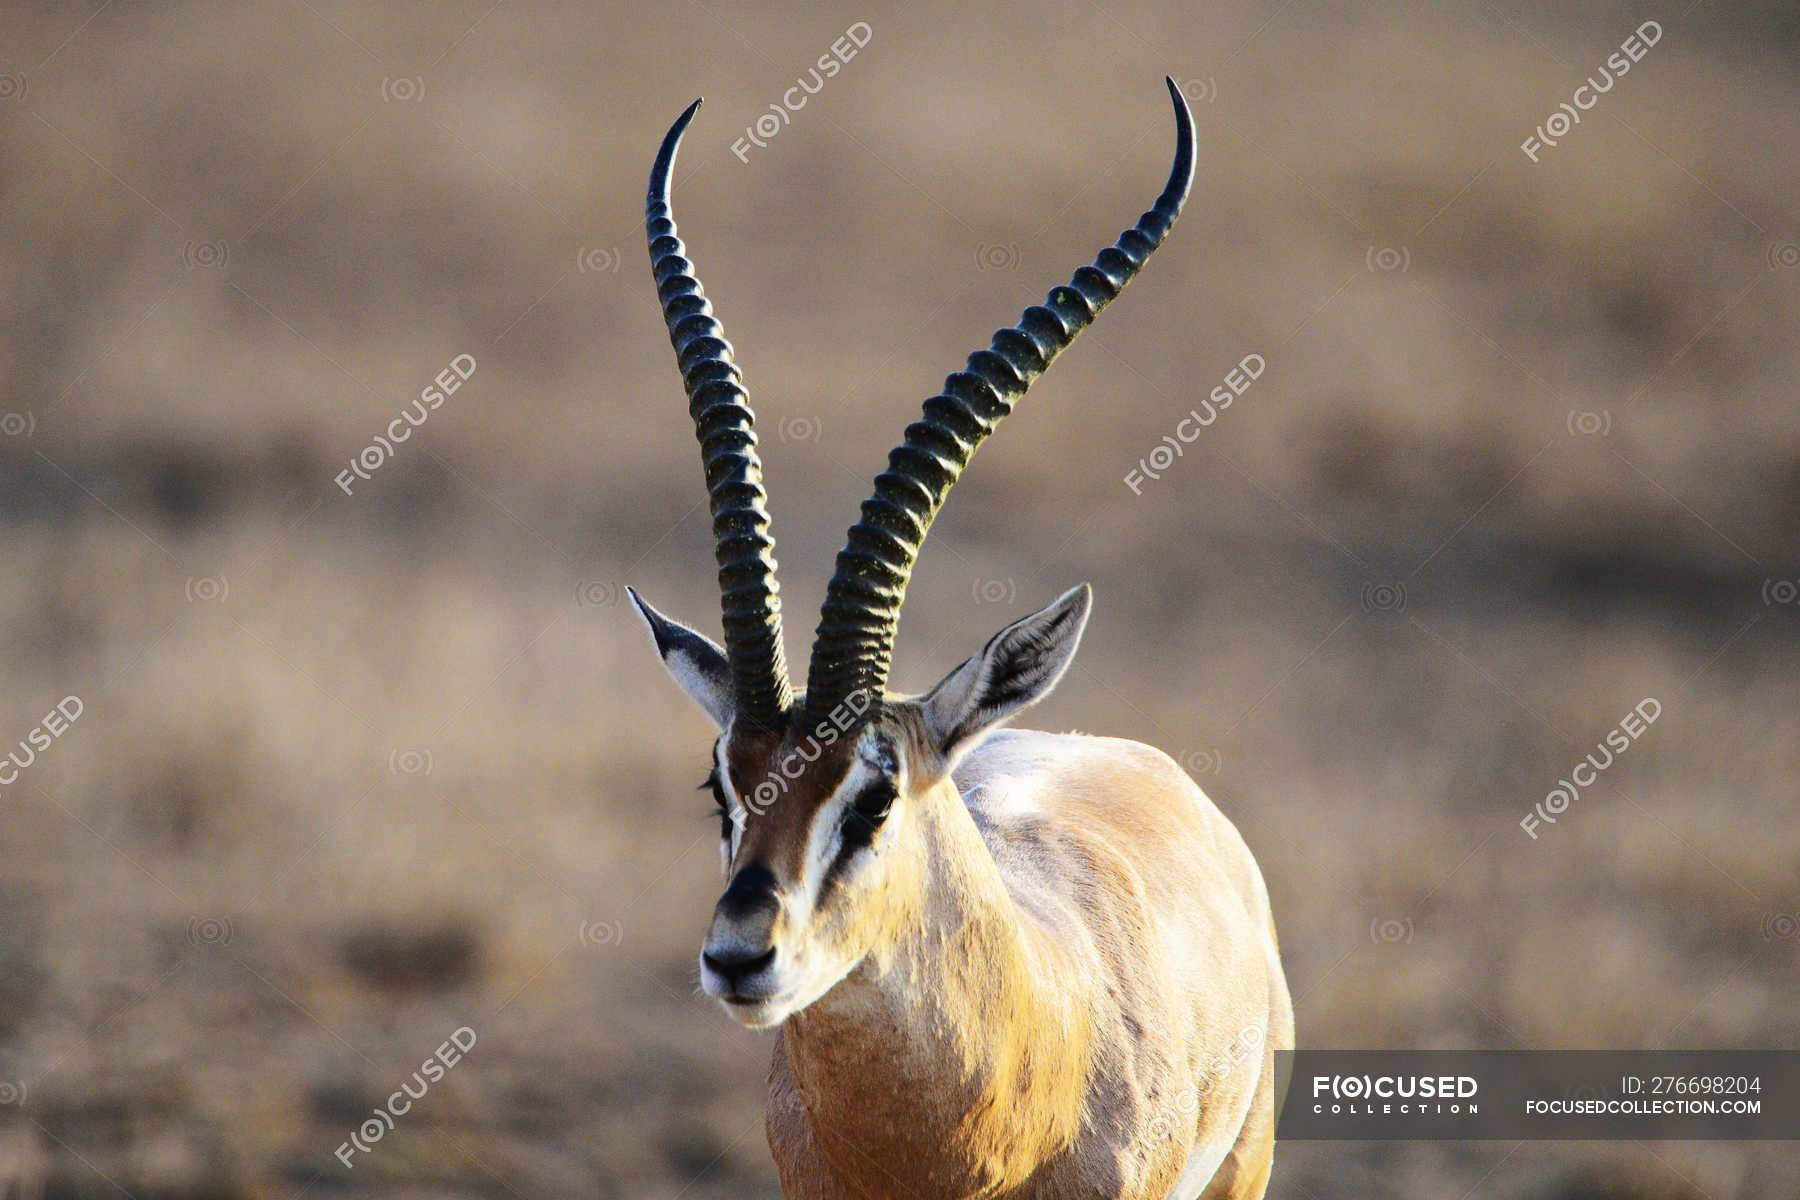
[756, 1012]
[747, 993]
[761, 988]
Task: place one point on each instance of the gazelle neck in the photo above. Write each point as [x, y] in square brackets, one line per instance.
[955, 1050]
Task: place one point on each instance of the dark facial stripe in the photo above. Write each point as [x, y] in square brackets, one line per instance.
[863, 818]
[722, 809]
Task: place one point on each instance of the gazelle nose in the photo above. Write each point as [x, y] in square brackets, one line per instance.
[735, 964]
[751, 895]
[741, 943]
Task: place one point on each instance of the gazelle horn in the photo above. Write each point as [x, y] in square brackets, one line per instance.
[724, 423]
[862, 604]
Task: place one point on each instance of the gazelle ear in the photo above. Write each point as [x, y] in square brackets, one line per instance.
[694, 661]
[1016, 669]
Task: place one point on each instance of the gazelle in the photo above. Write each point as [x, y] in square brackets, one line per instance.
[1003, 964]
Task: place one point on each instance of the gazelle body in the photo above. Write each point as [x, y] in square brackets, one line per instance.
[1079, 1000]
[1002, 963]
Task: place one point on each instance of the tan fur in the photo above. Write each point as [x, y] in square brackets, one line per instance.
[1066, 985]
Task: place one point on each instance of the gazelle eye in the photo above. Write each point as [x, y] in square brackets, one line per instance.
[862, 820]
[722, 810]
[873, 804]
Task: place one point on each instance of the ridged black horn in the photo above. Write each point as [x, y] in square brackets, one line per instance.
[862, 605]
[719, 406]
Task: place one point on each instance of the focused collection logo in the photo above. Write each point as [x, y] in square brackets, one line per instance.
[1395, 1095]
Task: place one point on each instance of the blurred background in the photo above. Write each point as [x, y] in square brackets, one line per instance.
[367, 748]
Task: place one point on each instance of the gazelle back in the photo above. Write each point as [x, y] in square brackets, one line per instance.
[1002, 963]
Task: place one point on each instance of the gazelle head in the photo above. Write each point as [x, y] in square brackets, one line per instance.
[822, 796]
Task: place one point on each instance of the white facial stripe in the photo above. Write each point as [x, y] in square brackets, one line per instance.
[826, 834]
[733, 805]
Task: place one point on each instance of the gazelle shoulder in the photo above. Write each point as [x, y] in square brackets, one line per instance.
[1027, 790]
[1011, 766]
